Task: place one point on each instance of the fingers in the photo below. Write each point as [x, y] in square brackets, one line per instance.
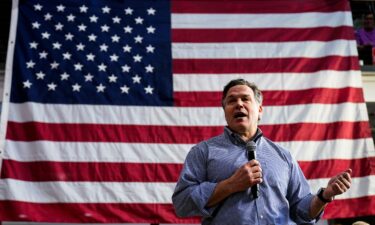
[253, 162]
[342, 182]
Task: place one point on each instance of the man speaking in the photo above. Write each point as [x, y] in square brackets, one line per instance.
[241, 177]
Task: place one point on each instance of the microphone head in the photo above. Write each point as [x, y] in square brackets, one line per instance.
[251, 146]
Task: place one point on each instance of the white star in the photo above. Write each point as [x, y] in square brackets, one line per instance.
[56, 45]
[128, 29]
[33, 44]
[150, 29]
[92, 37]
[124, 89]
[112, 78]
[138, 20]
[126, 68]
[100, 88]
[149, 69]
[45, 35]
[47, 16]
[116, 19]
[27, 84]
[40, 75]
[102, 67]
[137, 58]
[105, 28]
[150, 48]
[89, 77]
[93, 19]
[138, 39]
[69, 36]
[151, 11]
[67, 55]
[149, 89]
[128, 11]
[36, 25]
[80, 47]
[60, 8]
[83, 9]
[82, 27]
[30, 64]
[43, 55]
[136, 79]
[64, 76]
[76, 87]
[127, 48]
[54, 65]
[114, 58]
[90, 57]
[106, 9]
[115, 38]
[38, 7]
[78, 66]
[70, 17]
[51, 86]
[59, 26]
[103, 47]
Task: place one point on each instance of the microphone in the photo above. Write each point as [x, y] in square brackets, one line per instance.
[251, 154]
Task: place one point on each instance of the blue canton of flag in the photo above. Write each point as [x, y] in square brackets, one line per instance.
[95, 53]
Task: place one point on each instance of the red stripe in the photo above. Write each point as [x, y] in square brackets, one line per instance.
[316, 131]
[329, 168]
[145, 172]
[84, 171]
[33, 131]
[275, 65]
[263, 34]
[260, 6]
[279, 97]
[143, 213]
[347, 208]
[90, 213]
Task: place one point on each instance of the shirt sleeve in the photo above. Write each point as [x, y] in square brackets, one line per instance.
[300, 197]
[193, 191]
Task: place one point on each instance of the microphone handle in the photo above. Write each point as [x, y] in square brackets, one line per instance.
[254, 188]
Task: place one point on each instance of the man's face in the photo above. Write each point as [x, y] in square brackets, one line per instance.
[368, 22]
[241, 110]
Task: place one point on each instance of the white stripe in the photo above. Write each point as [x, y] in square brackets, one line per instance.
[181, 116]
[330, 149]
[96, 152]
[314, 113]
[86, 192]
[270, 81]
[137, 192]
[361, 187]
[309, 49]
[170, 153]
[282, 20]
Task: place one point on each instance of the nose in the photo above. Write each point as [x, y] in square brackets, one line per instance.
[239, 103]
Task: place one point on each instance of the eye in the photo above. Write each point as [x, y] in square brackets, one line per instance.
[231, 101]
[246, 99]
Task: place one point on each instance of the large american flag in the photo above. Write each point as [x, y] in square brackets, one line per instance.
[103, 100]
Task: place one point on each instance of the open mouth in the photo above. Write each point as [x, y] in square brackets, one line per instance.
[238, 115]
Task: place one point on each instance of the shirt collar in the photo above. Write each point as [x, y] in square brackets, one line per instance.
[237, 140]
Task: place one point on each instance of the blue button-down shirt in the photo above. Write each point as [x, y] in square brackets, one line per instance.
[284, 195]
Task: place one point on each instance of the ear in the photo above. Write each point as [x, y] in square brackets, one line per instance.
[260, 112]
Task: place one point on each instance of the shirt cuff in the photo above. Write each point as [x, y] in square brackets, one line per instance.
[201, 195]
[304, 210]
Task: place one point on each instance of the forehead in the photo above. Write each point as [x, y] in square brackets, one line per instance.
[240, 90]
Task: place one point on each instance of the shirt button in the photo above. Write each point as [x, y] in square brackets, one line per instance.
[261, 216]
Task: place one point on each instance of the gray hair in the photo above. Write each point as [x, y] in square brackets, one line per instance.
[257, 93]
